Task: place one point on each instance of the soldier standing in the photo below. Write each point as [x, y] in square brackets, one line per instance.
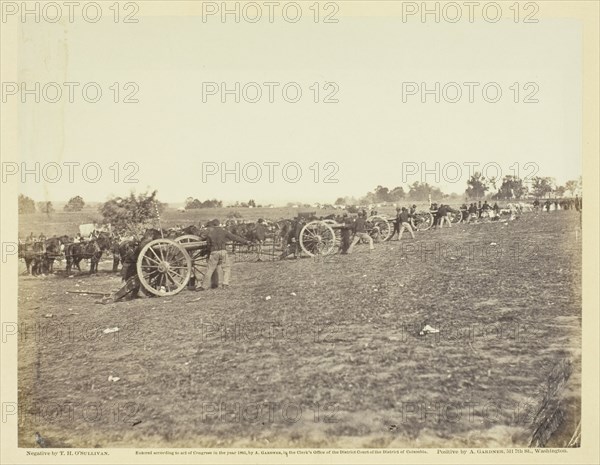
[404, 221]
[129, 271]
[360, 232]
[345, 233]
[217, 242]
[396, 223]
[260, 233]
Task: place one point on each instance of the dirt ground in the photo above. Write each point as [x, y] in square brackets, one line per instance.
[319, 353]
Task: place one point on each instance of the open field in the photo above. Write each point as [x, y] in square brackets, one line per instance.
[332, 359]
[60, 223]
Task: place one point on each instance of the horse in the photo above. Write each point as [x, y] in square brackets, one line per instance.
[54, 247]
[32, 253]
[93, 249]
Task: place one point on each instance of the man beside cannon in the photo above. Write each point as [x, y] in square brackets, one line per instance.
[404, 222]
[129, 256]
[260, 235]
[360, 232]
[217, 237]
[396, 223]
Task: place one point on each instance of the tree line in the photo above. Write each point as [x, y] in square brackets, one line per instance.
[144, 208]
[478, 187]
[28, 205]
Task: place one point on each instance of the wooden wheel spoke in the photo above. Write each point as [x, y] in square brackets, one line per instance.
[171, 270]
[168, 275]
[151, 259]
[155, 254]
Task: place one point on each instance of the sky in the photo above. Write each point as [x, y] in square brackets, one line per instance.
[179, 137]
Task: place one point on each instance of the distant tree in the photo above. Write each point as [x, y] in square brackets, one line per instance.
[251, 203]
[26, 204]
[45, 207]
[75, 204]
[368, 199]
[478, 186]
[213, 203]
[382, 194]
[133, 213]
[192, 204]
[572, 186]
[511, 188]
[340, 201]
[421, 191]
[396, 194]
[542, 186]
[559, 191]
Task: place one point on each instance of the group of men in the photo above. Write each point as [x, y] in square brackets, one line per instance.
[218, 271]
[402, 222]
[352, 230]
[563, 204]
[476, 210]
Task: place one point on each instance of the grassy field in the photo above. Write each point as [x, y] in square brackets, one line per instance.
[59, 223]
[332, 359]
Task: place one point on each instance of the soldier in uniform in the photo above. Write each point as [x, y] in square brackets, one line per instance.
[396, 223]
[293, 239]
[42, 241]
[404, 222]
[260, 233]
[129, 272]
[345, 233]
[360, 232]
[217, 241]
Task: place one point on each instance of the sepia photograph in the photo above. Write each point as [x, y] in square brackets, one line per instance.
[299, 232]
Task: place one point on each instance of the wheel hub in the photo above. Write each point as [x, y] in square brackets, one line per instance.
[163, 267]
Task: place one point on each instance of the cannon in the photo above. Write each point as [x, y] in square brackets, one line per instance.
[321, 237]
[165, 266]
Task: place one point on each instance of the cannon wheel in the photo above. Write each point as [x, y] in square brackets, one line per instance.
[164, 267]
[456, 217]
[422, 221]
[199, 261]
[336, 231]
[381, 228]
[317, 238]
